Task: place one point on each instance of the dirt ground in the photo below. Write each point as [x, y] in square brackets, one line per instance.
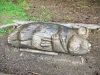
[21, 63]
[79, 11]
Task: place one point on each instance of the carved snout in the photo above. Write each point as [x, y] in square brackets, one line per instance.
[78, 45]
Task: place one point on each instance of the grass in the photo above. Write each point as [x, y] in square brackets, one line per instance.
[43, 7]
[44, 16]
[10, 11]
[68, 18]
[14, 49]
[82, 3]
[5, 31]
[15, 11]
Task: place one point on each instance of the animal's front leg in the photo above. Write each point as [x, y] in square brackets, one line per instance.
[45, 42]
[57, 46]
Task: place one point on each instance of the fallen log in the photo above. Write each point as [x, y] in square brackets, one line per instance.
[70, 25]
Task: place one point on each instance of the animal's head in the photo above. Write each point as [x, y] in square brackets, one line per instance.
[78, 43]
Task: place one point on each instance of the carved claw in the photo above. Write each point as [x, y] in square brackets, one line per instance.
[45, 41]
[55, 37]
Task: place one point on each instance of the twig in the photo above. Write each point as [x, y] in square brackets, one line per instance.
[38, 52]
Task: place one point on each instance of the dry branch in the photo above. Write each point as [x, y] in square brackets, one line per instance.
[70, 25]
[38, 52]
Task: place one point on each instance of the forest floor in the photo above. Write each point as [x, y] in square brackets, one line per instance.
[12, 61]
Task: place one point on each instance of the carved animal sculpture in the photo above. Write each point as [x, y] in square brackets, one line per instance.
[51, 37]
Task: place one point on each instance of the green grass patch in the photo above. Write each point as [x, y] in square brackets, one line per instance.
[15, 11]
[68, 18]
[5, 31]
[44, 16]
[10, 11]
[84, 4]
[43, 7]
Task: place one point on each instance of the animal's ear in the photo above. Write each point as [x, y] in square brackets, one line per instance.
[83, 32]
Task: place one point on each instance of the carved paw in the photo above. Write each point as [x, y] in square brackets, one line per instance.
[45, 42]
